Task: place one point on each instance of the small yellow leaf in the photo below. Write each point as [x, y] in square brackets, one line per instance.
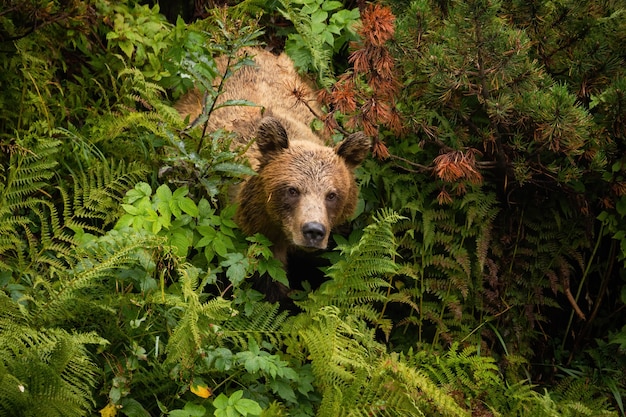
[109, 411]
[201, 390]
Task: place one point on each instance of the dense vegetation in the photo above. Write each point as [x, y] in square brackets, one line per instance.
[483, 276]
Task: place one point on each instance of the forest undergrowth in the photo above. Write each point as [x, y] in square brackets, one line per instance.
[483, 274]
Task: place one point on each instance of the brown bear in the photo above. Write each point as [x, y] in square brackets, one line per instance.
[303, 188]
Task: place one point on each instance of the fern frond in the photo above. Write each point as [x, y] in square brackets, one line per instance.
[38, 221]
[31, 164]
[355, 375]
[361, 278]
[265, 322]
[334, 348]
[43, 371]
[197, 322]
[88, 270]
[97, 194]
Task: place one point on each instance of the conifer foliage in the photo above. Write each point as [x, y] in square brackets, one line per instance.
[483, 275]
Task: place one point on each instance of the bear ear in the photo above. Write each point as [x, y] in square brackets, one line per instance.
[354, 149]
[271, 136]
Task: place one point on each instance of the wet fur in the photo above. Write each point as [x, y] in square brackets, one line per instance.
[300, 180]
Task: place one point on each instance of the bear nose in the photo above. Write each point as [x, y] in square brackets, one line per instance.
[314, 232]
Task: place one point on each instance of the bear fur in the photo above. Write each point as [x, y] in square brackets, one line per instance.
[303, 188]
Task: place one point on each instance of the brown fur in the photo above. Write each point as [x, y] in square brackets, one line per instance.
[303, 188]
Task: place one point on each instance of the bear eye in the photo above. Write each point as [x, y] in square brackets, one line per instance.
[331, 196]
[293, 191]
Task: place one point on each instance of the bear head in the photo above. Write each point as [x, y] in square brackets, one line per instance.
[302, 188]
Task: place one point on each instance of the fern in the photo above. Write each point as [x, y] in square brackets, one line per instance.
[194, 328]
[30, 164]
[354, 374]
[97, 193]
[33, 232]
[264, 323]
[308, 51]
[542, 257]
[362, 276]
[43, 371]
[445, 250]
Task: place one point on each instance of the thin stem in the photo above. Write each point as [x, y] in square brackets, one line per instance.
[582, 282]
[220, 87]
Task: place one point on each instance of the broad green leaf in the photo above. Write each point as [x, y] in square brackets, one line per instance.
[163, 193]
[132, 210]
[221, 401]
[319, 16]
[328, 38]
[331, 5]
[180, 239]
[132, 408]
[141, 190]
[187, 205]
[248, 407]
[127, 47]
[277, 271]
[237, 266]
[180, 192]
[283, 389]
[235, 396]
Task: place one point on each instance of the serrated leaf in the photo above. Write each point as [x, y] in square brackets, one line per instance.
[319, 16]
[187, 205]
[163, 193]
[235, 396]
[174, 208]
[234, 169]
[328, 38]
[331, 5]
[127, 47]
[221, 401]
[179, 193]
[165, 214]
[124, 221]
[132, 210]
[277, 272]
[220, 247]
[237, 267]
[283, 389]
[248, 407]
[141, 190]
[181, 240]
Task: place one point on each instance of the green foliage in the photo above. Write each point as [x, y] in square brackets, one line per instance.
[356, 377]
[43, 371]
[141, 33]
[196, 231]
[322, 28]
[36, 229]
[126, 287]
[361, 277]
[488, 78]
[235, 406]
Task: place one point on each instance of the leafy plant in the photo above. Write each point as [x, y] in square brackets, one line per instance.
[43, 370]
[196, 231]
[142, 34]
[485, 275]
[322, 28]
[235, 405]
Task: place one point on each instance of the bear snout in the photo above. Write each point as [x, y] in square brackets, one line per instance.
[314, 234]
